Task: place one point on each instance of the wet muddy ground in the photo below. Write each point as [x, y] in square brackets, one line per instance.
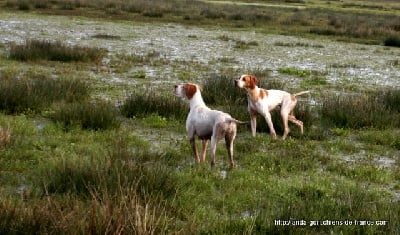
[209, 49]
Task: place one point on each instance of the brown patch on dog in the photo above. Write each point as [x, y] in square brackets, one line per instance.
[190, 90]
[257, 95]
[293, 97]
[263, 93]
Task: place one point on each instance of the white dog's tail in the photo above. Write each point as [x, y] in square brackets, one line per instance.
[301, 93]
[236, 121]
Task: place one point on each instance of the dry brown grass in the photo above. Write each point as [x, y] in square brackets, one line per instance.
[5, 135]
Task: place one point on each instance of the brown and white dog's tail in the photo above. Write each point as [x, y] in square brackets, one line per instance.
[301, 93]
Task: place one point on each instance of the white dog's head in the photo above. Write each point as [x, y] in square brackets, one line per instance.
[187, 90]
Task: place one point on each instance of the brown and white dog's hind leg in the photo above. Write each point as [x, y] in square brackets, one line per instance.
[285, 118]
[218, 134]
[297, 122]
[287, 114]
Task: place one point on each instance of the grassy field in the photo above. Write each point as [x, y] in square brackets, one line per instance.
[92, 140]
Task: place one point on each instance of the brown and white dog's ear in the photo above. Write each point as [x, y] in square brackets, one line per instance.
[190, 90]
[251, 81]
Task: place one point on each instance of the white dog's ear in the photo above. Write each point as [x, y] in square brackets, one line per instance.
[190, 90]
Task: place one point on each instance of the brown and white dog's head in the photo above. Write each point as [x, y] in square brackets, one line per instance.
[187, 90]
[246, 81]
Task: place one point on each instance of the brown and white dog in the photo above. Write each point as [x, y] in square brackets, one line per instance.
[262, 101]
[206, 123]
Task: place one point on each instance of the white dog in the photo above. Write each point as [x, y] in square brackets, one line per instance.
[206, 123]
[262, 101]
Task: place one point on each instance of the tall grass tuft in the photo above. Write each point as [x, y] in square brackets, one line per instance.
[33, 94]
[377, 109]
[114, 193]
[392, 40]
[391, 98]
[34, 50]
[151, 102]
[113, 174]
[128, 188]
[221, 90]
[97, 115]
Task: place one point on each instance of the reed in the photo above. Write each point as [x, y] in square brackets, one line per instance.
[34, 94]
[375, 109]
[36, 50]
[140, 104]
[94, 115]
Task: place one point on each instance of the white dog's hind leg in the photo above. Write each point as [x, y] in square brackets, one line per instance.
[194, 148]
[204, 144]
[229, 138]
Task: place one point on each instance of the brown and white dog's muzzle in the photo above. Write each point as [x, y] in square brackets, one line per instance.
[238, 83]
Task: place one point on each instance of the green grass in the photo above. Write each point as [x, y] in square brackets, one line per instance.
[300, 72]
[100, 176]
[108, 179]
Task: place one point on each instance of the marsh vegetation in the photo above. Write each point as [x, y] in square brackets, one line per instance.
[92, 140]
